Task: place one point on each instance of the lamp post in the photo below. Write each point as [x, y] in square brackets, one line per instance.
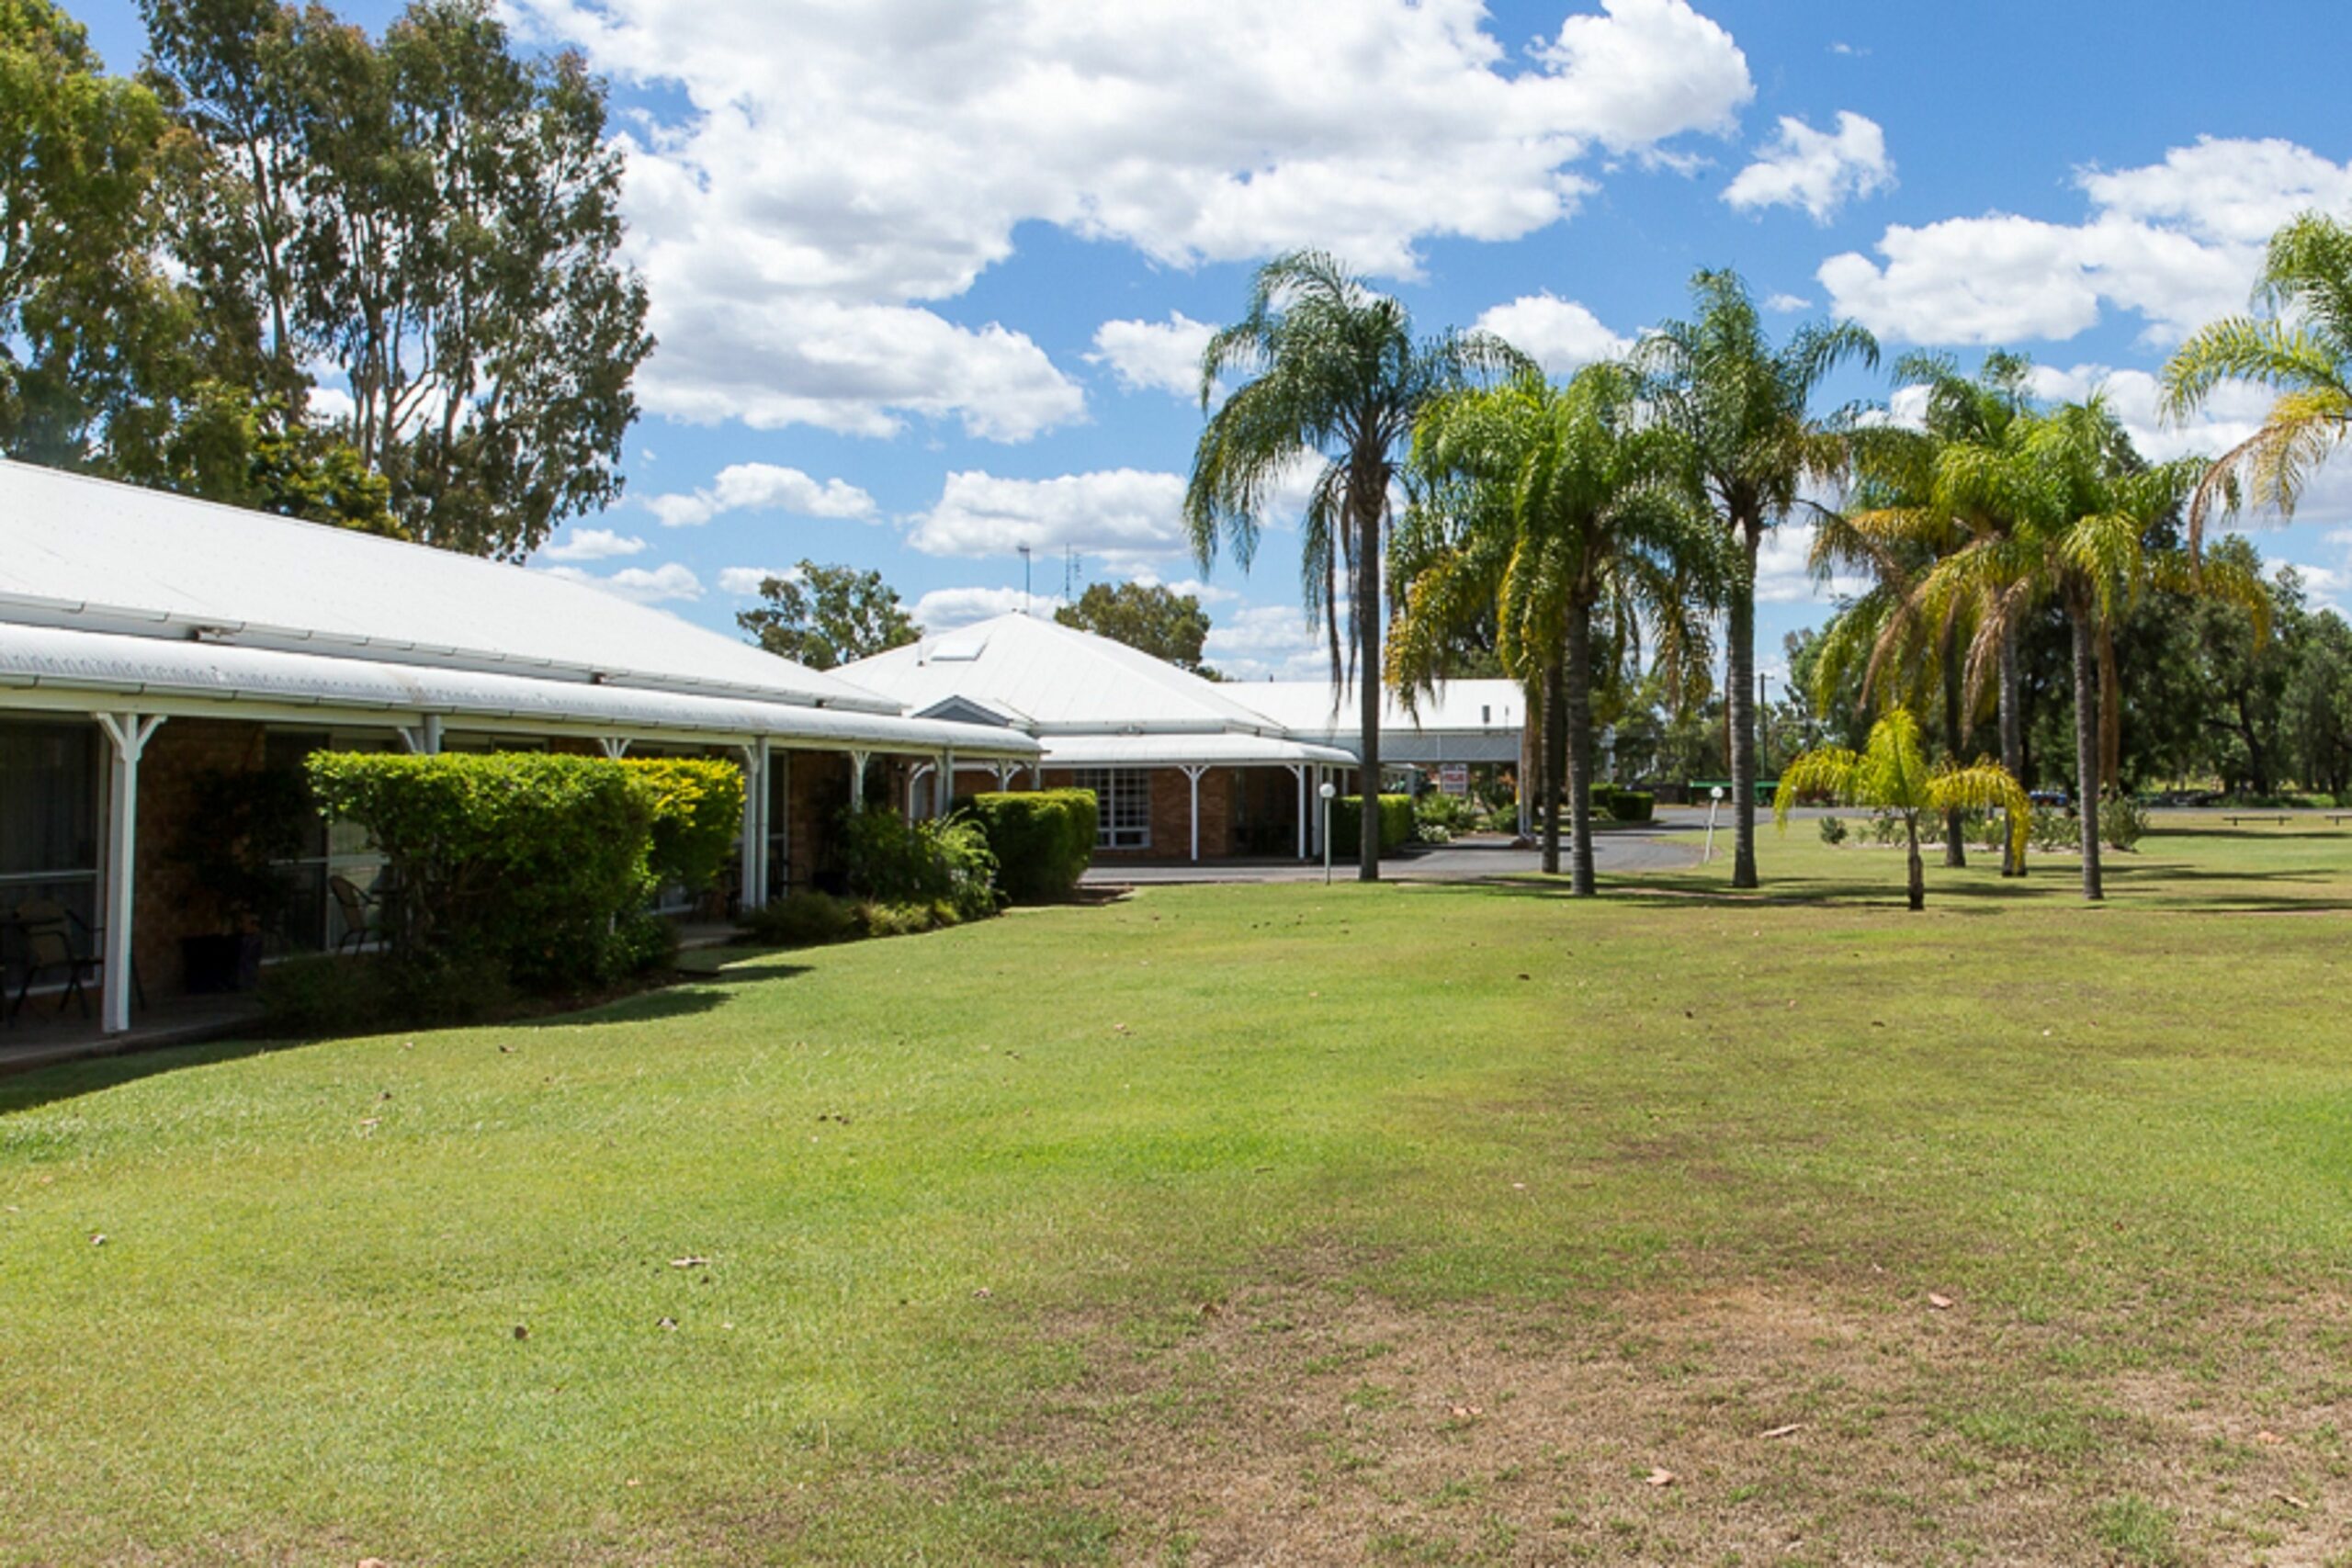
[1326, 789]
[1715, 801]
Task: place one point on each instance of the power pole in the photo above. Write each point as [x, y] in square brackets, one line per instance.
[1024, 577]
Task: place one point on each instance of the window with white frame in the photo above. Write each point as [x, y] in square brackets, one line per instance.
[1123, 806]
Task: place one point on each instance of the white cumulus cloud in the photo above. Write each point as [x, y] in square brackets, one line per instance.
[1559, 335]
[795, 219]
[760, 486]
[744, 580]
[594, 544]
[944, 609]
[1120, 514]
[658, 585]
[2178, 243]
[1819, 171]
[1269, 642]
[1155, 355]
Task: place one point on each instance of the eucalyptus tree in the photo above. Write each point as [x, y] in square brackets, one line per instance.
[1890, 774]
[1746, 408]
[1559, 507]
[2299, 345]
[1333, 370]
[437, 218]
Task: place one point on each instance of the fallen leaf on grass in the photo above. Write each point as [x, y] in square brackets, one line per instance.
[1784, 1431]
[1658, 1477]
[1941, 1304]
[983, 1293]
[521, 1332]
[2291, 1500]
[2272, 1438]
[98, 1238]
[670, 1324]
[690, 1262]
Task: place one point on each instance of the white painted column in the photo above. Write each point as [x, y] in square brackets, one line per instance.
[945, 790]
[423, 738]
[1298, 771]
[130, 735]
[1192, 775]
[857, 760]
[756, 796]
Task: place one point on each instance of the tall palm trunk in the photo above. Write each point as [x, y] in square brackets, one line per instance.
[1955, 743]
[2012, 737]
[1919, 888]
[1579, 737]
[1367, 611]
[1555, 756]
[1739, 706]
[2087, 745]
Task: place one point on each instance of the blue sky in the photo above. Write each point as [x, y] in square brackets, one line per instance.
[927, 273]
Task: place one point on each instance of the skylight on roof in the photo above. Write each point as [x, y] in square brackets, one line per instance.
[958, 649]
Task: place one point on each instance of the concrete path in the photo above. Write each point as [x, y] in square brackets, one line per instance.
[1650, 847]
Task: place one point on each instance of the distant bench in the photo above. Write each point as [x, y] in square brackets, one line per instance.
[2264, 816]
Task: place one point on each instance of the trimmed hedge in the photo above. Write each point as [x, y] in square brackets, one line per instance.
[1347, 824]
[538, 863]
[1043, 840]
[1626, 805]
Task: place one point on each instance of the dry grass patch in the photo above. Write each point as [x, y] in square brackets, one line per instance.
[1309, 1423]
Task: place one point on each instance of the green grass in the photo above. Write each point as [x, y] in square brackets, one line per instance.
[987, 1214]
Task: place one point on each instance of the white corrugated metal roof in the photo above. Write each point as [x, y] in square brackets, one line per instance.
[1060, 678]
[1222, 748]
[1312, 708]
[103, 556]
[54, 666]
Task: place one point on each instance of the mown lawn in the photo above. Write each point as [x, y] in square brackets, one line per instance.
[1231, 1225]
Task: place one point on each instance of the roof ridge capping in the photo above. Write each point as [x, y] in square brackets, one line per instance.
[182, 565]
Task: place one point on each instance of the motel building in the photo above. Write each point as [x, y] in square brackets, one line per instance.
[1182, 768]
[158, 654]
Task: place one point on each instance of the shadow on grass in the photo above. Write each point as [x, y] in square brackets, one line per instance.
[67, 1080]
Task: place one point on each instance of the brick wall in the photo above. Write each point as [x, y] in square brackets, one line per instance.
[167, 904]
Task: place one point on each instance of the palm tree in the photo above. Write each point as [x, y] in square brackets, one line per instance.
[1554, 506]
[2090, 521]
[1889, 774]
[1921, 494]
[1744, 408]
[1335, 371]
[2300, 347]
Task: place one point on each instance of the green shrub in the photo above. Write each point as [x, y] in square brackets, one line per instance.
[698, 812]
[897, 861]
[802, 919]
[1347, 824]
[1502, 820]
[1042, 840]
[877, 917]
[2122, 823]
[1452, 813]
[529, 860]
[1833, 829]
[1632, 805]
[2051, 830]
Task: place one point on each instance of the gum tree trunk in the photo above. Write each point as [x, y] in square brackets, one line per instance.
[1739, 706]
[2086, 746]
[1555, 755]
[1579, 738]
[2012, 737]
[1919, 870]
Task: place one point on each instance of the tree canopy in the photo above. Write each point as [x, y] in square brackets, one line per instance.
[1147, 616]
[827, 616]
